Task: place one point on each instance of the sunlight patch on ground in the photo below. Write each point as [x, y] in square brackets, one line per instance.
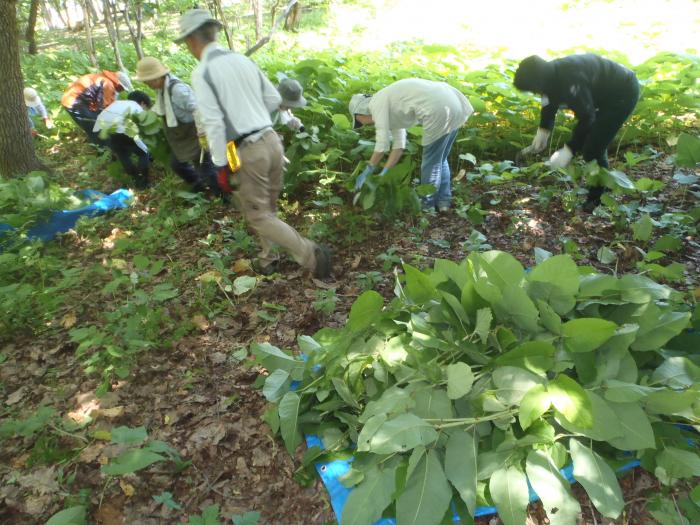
[515, 29]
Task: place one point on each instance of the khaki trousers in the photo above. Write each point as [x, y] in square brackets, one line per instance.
[260, 183]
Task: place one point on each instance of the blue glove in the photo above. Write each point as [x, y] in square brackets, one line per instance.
[383, 172]
[360, 181]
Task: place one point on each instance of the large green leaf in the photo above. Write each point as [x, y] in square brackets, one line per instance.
[427, 495]
[656, 330]
[623, 392]
[419, 287]
[70, 516]
[344, 392]
[367, 501]
[508, 487]
[401, 434]
[536, 356]
[503, 269]
[535, 403]
[273, 358]
[605, 423]
[561, 507]
[129, 436]
[599, 480]
[459, 380]
[432, 403]
[392, 401]
[276, 385]
[587, 334]
[555, 281]
[517, 307]
[637, 433]
[571, 400]
[639, 289]
[289, 420]
[461, 452]
[371, 426]
[642, 228]
[688, 154]
[677, 373]
[513, 383]
[130, 461]
[365, 310]
[677, 464]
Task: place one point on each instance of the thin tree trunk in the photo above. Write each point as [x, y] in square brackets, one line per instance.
[68, 20]
[112, 32]
[46, 15]
[264, 40]
[86, 5]
[30, 34]
[218, 8]
[17, 155]
[258, 12]
[135, 24]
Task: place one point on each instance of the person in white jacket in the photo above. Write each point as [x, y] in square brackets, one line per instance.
[438, 107]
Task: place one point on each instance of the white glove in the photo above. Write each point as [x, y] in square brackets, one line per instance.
[538, 143]
[49, 123]
[295, 124]
[560, 159]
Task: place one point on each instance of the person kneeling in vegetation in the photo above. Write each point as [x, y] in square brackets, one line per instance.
[440, 108]
[175, 103]
[90, 94]
[35, 107]
[601, 93]
[111, 122]
[292, 97]
[235, 100]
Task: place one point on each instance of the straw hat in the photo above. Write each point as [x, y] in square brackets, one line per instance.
[193, 20]
[150, 68]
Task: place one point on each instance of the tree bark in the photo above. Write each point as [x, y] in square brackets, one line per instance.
[219, 10]
[17, 155]
[110, 22]
[30, 34]
[134, 23]
[258, 12]
[264, 40]
[87, 10]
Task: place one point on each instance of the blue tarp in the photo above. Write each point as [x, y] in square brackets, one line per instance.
[62, 221]
[331, 472]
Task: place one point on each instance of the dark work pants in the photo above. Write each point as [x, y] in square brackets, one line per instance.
[85, 119]
[126, 151]
[200, 175]
[609, 119]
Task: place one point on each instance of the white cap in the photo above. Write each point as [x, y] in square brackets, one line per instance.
[193, 20]
[359, 105]
[31, 97]
[125, 81]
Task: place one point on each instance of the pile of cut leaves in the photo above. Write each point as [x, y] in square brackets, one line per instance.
[480, 377]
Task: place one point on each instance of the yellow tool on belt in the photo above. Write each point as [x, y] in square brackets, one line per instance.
[234, 161]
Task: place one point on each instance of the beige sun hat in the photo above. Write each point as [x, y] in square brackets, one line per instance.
[31, 97]
[150, 68]
[193, 20]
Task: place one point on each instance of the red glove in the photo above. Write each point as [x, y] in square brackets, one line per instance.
[222, 178]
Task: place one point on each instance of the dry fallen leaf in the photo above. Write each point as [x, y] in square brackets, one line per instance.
[200, 322]
[16, 396]
[241, 265]
[127, 489]
[40, 481]
[109, 413]
[356, 262]
[69, 320]
[218, 357]
[210, 276]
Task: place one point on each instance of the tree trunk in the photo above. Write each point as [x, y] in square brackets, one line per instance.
[219, 10]
[258, 11]
[30, 34]
[265, 39]
[134, 23]
[112, 32]
[17, 155]
[87, 5]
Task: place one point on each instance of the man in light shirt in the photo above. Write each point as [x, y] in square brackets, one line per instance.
[111, 122]
[235, 100]
[436, 106]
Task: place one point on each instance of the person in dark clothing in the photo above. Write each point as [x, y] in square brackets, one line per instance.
[111, 122]
[601, 93]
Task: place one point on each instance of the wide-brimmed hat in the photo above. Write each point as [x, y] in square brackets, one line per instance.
[359, 105]
[292, 93]
[150, 68]
[193, 20]
[31, 97]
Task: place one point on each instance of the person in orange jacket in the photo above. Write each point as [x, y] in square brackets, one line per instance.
[90, 94]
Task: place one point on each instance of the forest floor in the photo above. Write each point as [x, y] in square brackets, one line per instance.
[198, 394]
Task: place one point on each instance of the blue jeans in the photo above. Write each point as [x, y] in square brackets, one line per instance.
[435, 170]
